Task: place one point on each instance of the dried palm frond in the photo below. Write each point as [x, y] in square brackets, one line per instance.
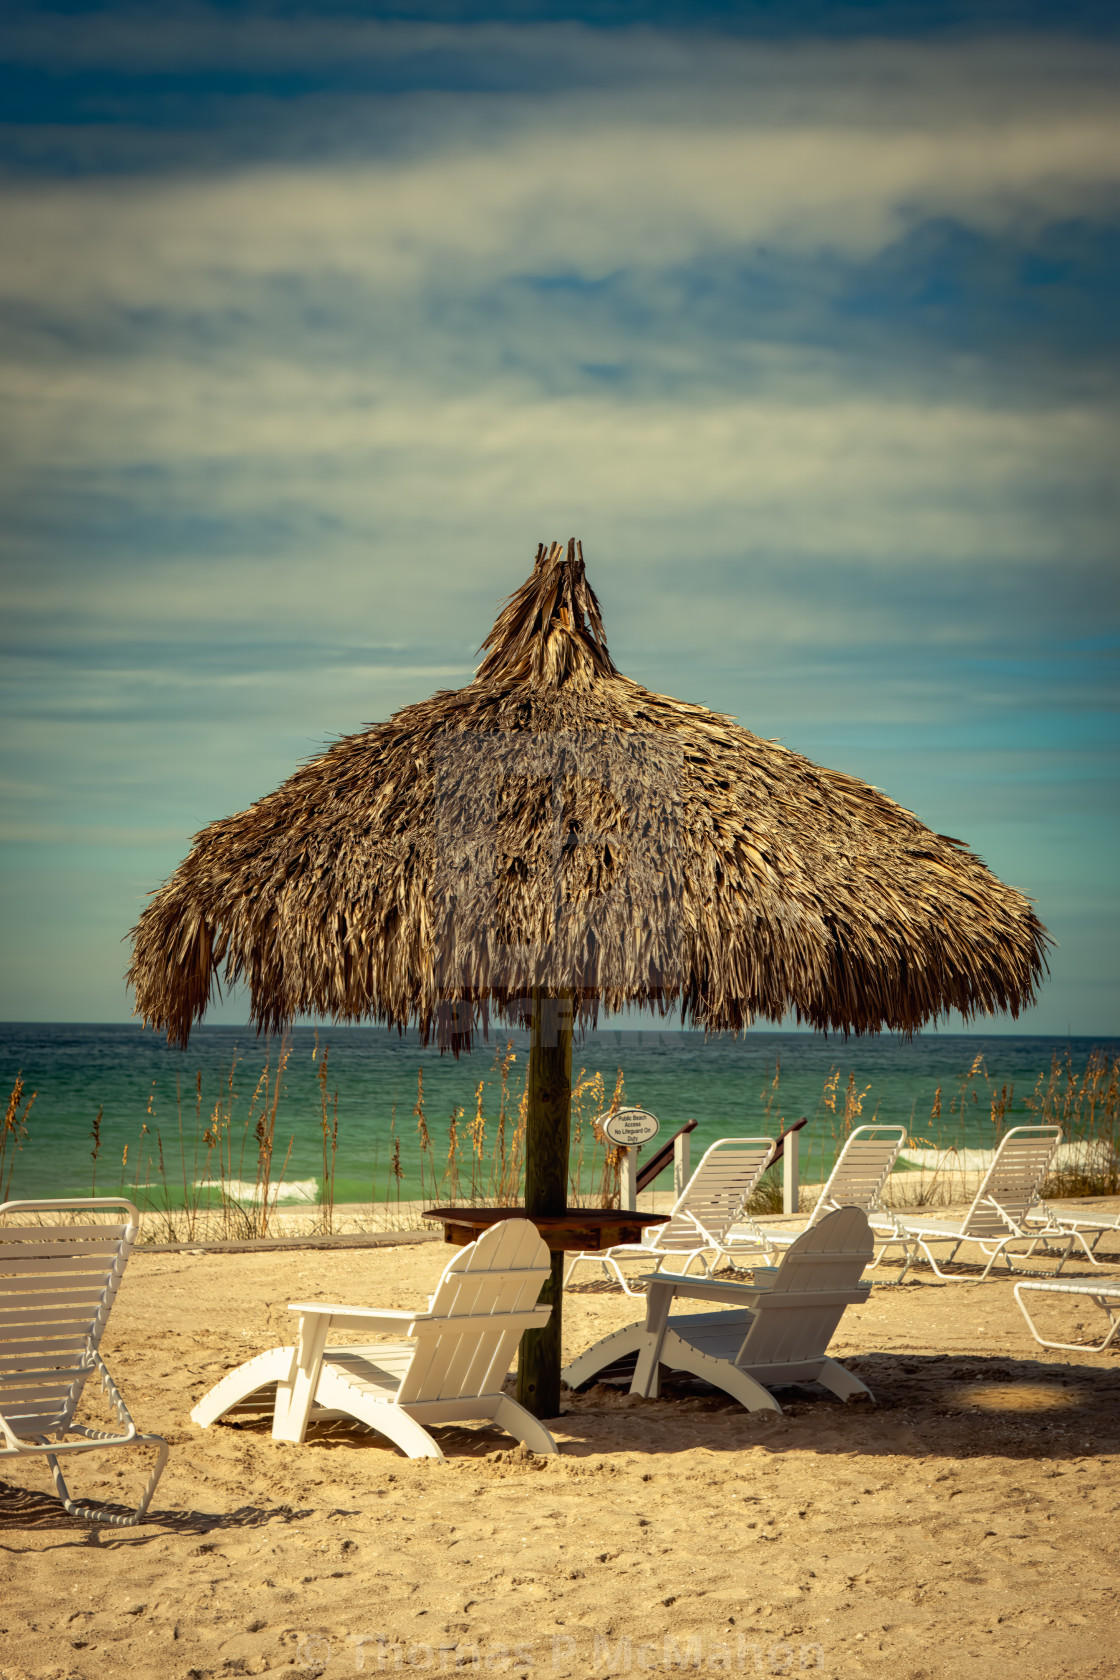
[555, 825]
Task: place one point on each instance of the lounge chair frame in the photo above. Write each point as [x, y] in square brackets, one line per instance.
[699, 1220]
[857, 1179]
[58, 1283]
[1103, 1295]
[1000, 1211]
[1087, 1231]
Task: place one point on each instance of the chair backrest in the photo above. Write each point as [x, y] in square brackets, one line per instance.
[469, 1352]
[725, 1176]
[861, 1170]
[57, 1286]
[1013, 1180]
[818, 1277]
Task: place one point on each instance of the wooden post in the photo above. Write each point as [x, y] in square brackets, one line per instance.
[628, 1179]
[547, 1128]
[682, 1163]
[791, 1186]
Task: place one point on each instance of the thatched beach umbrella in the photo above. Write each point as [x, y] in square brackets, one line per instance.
[554, 839]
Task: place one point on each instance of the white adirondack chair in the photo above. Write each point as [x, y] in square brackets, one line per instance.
[777, 1331]
[449, 1370]
[702, 1215]
[1004, 1210]
[57, 1287]
[858, 1176]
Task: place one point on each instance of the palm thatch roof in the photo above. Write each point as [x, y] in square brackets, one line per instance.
[554, 824]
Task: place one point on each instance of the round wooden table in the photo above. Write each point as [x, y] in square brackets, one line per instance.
[575, 1231]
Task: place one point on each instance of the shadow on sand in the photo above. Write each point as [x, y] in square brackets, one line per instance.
[24, 1509]
[926, 1406]
[931, 1405]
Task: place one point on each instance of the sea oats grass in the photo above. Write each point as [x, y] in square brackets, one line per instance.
[210, 1170]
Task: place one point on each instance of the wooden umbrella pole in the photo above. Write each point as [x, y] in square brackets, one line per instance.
[547, 1129]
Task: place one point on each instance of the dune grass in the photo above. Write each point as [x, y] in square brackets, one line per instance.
[218, 1171]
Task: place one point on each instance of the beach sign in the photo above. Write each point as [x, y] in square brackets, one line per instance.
[630, 1127]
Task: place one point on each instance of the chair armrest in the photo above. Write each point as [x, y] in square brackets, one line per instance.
[707, 1289]
[353, 1319]
[526, 1318]
[393, 1316]
[793, 1300]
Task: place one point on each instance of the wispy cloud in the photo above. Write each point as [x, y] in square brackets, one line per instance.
[580, 199]
[310, 328]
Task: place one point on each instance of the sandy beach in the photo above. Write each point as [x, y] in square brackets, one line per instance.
[964, 1525]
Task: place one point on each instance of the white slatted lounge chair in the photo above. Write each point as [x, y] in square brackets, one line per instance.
[1000, 1211]
[450, 1369]
[857, 1178]
[702, 1215]
[57, 1286]
[776, 1331]
[1104, 1295]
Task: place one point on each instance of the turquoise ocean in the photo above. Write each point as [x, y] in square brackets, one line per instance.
[745, 1086]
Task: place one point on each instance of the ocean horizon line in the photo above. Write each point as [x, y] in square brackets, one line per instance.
[985, 1030]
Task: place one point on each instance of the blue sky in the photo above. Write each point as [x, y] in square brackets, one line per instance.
[315, 320]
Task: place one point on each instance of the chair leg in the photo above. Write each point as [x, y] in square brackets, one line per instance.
[296, 1393]
[997, 1253]
[907, 1256]
[113, 1519]
[1114, 1318]
[608, 1264]
[271, 1367]
[602, 1259]
[335, 1391]
[1030, 1321]
[997, 1249]
[946, 1277]
[617, 1269]
[721, 1373]
[1074, 1347]
[395, 1424]
[648, 1367]
[1088, 1252]
[1002, 1251]
[523, 1426]
[840, 1381]
[618, 1345]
